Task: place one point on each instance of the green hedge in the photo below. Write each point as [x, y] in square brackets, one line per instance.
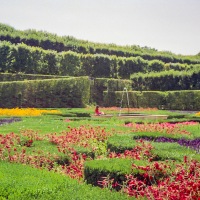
[183, 100]
[146, 99]
[21, 58]
[22, 77]
[119, 84]
[115, 168]
[172, 151]
[161, 151]
[99, 85]
[50, 41]
[20, 182]
[167, 80]
[120, 143]
[175, 100]
[154, 135]
[54, 93]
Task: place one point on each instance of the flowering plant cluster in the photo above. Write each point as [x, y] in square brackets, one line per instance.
[180, 182]
[198, 114]
[8, 121]
[193, 144]
[85, 136]
[26, 112]
[157, 180]
[13, 148]
[166, 128]
[142, 151]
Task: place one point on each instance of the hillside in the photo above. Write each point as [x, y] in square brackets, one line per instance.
[39, 52]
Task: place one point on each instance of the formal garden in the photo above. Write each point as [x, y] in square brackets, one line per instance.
[146, 145]
[68, 154]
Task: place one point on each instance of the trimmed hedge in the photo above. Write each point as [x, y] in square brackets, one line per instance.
[99, 85]
[119, 84]
[120, 143]
[47, 40]
[168, 80]
[115, 168]
[183, 100]
[174, 100]
[20, 182]
[161, 151]
[172, 151]
[21, 58]
[54, 93]
[22, 77]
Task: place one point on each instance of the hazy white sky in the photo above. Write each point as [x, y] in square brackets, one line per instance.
[172, 25]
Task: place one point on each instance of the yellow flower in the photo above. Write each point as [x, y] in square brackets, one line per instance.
[26, 112]
[198, 114]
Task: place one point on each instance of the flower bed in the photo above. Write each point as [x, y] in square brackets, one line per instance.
[157, 180]
[9, 120]
[25, 112]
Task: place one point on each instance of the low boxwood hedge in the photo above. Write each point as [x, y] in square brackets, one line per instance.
[20, 182]
[120, 143]
[115, 168]
[172, 151]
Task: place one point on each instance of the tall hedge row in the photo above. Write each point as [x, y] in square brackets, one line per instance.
[80, 91]
[175, 100]
[21, 58]
[50, 41]
[22, 77]
[99, 85]
[167, 80]
[54, 93]
[18, 88]
[119, 85]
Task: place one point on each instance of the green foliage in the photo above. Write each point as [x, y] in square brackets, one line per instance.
[154, 135]
[70, 64]
[167, 80]
[156, 66]
[101, 66]
[115, 168]
[119, 84]
[20, 182]
[183, 100]
[174, 100]
[22, 77]
[66, 92]
[98, 85]
[44, 53]
[6, 56]
[50, 41]
[172, 151]
[120, 143]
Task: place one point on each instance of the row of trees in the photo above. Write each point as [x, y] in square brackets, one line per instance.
[35, 60]
[50, 41]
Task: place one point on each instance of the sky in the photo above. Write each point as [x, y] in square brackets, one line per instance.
[166, 25]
